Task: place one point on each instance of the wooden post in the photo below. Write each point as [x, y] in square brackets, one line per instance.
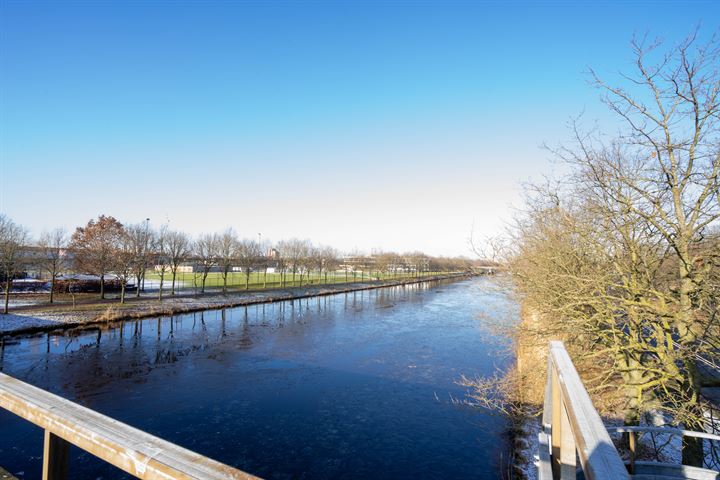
[588, 436]
[631, 438]
[55, 457]
[563, 442]
[556, 427]
[567, 447]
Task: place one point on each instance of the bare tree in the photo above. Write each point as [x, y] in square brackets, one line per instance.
[618, 254]
[206, 252]
[162, 260]
[227, 244]
[294, 252]
[53, 245]
[13, 238]
[178, 250]
[141, 238]
[281, 262]
[670, 168]
[324, 259]
[382, 262]
[266, 252]
[249, 256]
[125, 260]
[311, 262]
[331, 260]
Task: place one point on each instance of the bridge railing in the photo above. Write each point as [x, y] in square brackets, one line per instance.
[572, 428]
[134, 451]
[634, 432]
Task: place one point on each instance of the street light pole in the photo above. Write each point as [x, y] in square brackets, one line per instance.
[145, 251]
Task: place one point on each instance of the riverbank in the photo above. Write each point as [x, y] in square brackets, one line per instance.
[527, 381]
[44, 318]
[4, 475]
[350, 377]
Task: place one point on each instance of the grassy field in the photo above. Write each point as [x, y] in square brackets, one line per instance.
[259, 280]
[185, 283]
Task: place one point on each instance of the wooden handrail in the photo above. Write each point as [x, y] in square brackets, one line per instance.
[664, 430]
[635, 431]
[575, 427]
[130, 449]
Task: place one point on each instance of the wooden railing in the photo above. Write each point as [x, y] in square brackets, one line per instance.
[572, 428]
[134, 451]
[634, 432]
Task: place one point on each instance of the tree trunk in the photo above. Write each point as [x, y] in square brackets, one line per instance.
[122, 292]
[633, 396]
[52, 288]
[102, 287]
[138, 276]
[8, 282]
[692, 447]
[247, 279]
[692, 451]
[172, 290]
[162, 282]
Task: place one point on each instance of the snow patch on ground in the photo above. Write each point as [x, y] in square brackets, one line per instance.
[660, 447]
[527, 445]
[12, 321]
[64, 315]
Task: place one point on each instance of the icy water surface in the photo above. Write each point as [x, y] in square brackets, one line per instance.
[357, 385]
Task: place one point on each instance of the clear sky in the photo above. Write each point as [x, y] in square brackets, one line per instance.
[394, 125]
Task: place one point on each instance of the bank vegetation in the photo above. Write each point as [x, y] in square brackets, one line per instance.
[105, 254]
[620, 258]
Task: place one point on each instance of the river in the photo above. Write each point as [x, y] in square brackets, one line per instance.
[356, 385]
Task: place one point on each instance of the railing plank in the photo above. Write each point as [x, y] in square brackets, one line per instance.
[130, 449]
[556, 432]
[56, 453]
[665, 431]
[544, 461]
[568, 447]
[598, 456]
[545, 466]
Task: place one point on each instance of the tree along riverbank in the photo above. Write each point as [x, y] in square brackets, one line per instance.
[44, 318]
[520, 393]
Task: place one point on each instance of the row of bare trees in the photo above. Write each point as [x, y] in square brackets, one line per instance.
[621, 258]
[105, 247]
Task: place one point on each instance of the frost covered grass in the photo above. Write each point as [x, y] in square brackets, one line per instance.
[260, 280]
[55, 316]
[651, 446]
[526, 446]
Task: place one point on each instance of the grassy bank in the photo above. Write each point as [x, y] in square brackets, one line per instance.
[42, 318]
[190, 284]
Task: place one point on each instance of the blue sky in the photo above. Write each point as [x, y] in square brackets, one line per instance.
[393, 125]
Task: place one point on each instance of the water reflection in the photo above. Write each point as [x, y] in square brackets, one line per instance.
[350, 385]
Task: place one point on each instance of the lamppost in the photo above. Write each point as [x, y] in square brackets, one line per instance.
[263, 260]
[145, 251]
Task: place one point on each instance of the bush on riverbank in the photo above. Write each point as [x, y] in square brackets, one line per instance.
[620, 259]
